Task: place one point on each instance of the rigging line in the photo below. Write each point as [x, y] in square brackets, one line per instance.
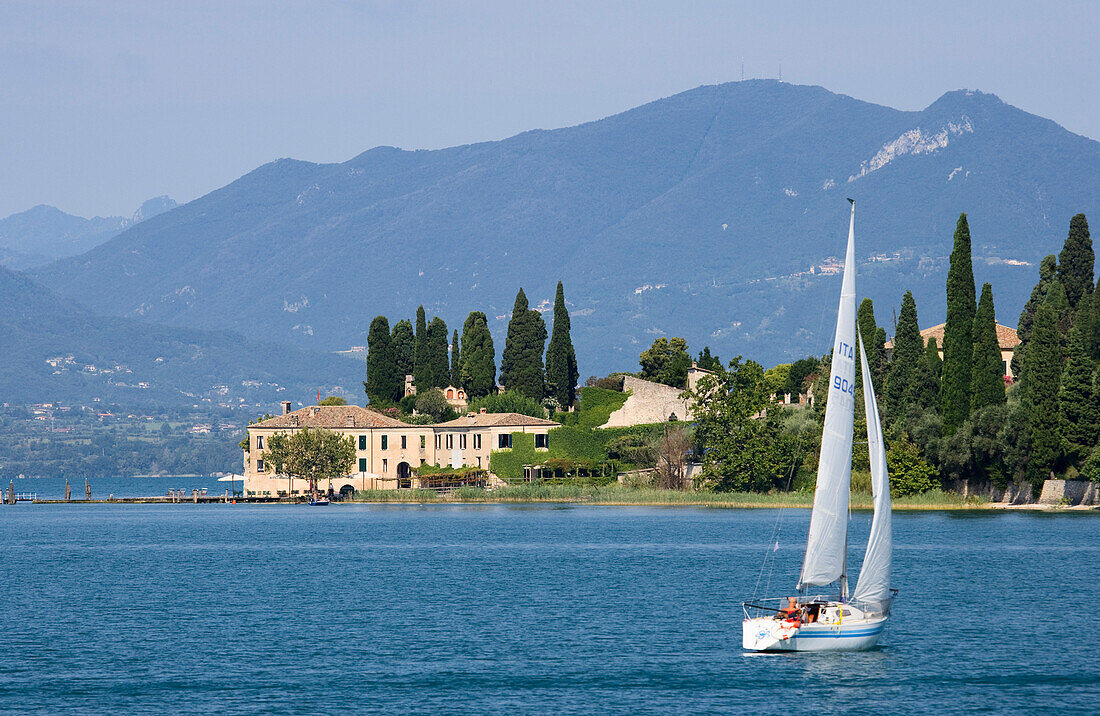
[777, 528]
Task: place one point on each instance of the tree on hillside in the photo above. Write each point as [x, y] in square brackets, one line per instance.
[1077, 418]
[314, 455]
[958, 341]
[510, 401]
[333, 400]
[456, 360]
[439, 365]
[521, 364]
[422, 374]
[926, 380]
[706, 361]
[433, 403]
[869, 331]
[666, 361]
[561, 359]
[800, 370]
[1048, 268]
[1040, 382]
[1075, 262]
[479, 369]
[907, 354]
[987, 383]
[403, 342]
[383, 384]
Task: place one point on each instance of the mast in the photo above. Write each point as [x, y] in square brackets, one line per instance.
[826, 545]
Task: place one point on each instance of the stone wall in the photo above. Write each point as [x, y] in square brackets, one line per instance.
[1069, 492]
[648, 402]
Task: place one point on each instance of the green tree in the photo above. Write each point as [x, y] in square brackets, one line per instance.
[478, 356]
[926, 380]
[403, 341]
[1090, 327]
[740, 452]
[314, 455]
[1091, 469]
[383, 384]
[438, 370]
[1076, 405]
[1048, 269]
[987, 381]
[510, 401]
[422, 370]
[1075, 262]
[561, 359]
[907, 354]
[333, 400]
[666, 361]
[1040, 382]
[800, 370]
[909, 473]
[521, 364]
[958, 343]
[456, 361]
[433, 403]
[708, 362]
[869, 331]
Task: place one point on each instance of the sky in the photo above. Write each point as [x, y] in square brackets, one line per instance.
[106, 104]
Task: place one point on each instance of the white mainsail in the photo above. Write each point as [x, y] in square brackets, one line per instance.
[873, 587]
[826, 546]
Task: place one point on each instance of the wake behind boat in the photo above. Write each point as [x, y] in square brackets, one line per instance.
[843, 622]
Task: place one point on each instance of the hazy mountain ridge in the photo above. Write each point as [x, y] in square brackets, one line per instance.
[56, 350]
[698, 215]
[45, 233]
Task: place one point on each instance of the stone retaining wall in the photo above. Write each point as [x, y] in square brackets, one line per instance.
[1069, 492]
[648, 402]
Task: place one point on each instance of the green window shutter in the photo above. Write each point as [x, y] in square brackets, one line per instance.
[362, 462]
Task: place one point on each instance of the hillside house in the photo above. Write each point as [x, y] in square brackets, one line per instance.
[1006, 338]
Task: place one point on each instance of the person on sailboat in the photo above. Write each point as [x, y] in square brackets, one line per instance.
[792, 610]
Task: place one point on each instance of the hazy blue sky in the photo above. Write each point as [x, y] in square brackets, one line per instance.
[103, 104]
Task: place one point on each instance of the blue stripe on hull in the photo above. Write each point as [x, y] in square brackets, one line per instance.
[837, 635]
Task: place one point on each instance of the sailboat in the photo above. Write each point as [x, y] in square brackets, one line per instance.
[839, 620]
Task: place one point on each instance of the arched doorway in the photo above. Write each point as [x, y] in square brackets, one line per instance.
[404, 475]
[347, 492]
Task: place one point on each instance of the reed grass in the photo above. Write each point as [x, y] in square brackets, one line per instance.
[619, 495]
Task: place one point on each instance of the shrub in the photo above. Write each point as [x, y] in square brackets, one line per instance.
[509, 401]
[1091, 469]
[909, 474]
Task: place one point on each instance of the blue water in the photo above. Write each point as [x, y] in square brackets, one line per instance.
[502, 609]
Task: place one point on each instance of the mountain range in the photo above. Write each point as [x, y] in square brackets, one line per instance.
[44, 233]
[55, 350]
[716, 214]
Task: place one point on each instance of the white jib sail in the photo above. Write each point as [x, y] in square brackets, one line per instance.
[827, 542]
[873, 587]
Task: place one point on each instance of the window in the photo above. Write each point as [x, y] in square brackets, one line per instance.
[462, 441]
[423, 441]
[423, 461]
[477, 441]
[450, 394]
[450, 441]
[259, 442]
[504, 440]
[385, 442]
[362, 442]
[438, 438]
[259, 466]
[540, 441]
[403, 442]
[362, 464]
[479, 462]
[385, 464]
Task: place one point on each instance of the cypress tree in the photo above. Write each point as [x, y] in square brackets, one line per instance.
[1091, 325]
[456, 361]
[872, 337]
[422, 373]
[382, 384]
[707, 361]
[907, 354]
[1048, 268]
[987, 382]
[1076, 416]
[403, 341]
[479, 370]
[521, 363]
[926, 382]
[561, 360]
[1040, 382]
[439, 366]
[958, 342]
[1076, 260]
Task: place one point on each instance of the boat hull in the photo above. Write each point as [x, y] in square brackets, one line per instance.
[766, 634]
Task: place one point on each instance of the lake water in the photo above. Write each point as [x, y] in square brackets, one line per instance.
[504, 609]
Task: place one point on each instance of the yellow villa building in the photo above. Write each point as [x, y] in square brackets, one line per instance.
[387, 450]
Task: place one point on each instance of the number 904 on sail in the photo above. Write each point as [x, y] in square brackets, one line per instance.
[837, 621]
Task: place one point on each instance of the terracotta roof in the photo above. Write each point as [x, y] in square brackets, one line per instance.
[490, 420]
[332, 417]
[1006, 337]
